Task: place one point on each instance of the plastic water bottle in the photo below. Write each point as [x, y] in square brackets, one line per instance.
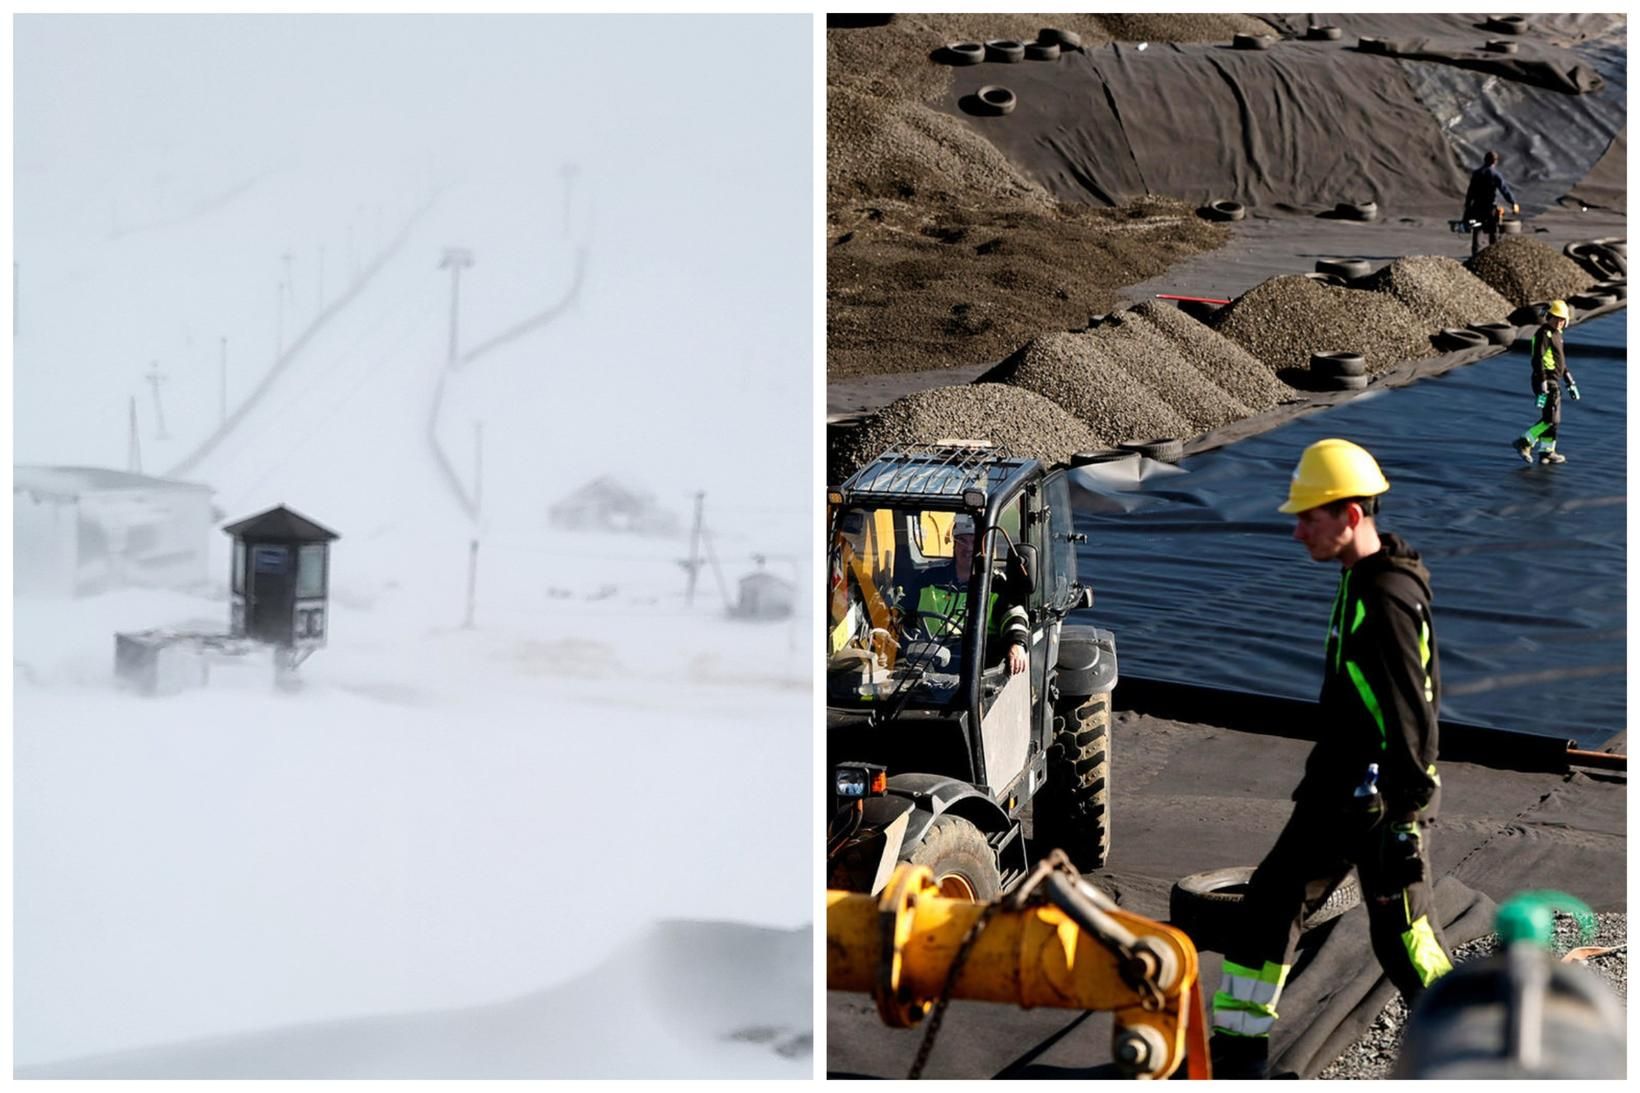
[1367, 792]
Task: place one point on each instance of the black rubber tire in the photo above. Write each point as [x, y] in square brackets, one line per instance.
[1509, 227]
[1584, 302]
[1338, 364]
[1072, 812]
[1004, 51]
[1096, 321]
[1598, 258]
[1164, 449]
[1208, 906]
[1372, 45]
[1228, 210]
[1252, 41]
[1618, 290]
[1363, 210]
[1616, 244]
[952, 845]
[1496, 333]
[963, 53]
[1454, 338]
[1498, 45]
[1330, 279]
[995, 101]
[1102, 455]
[1344, 383]
[1507, 24]
[1064, 39]
[1323, 34]
[1349, 269]
[1042, 51]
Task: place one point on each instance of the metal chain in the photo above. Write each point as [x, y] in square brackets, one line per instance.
[1018, 899]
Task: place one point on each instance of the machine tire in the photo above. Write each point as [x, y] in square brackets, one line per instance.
[1345, 383]
[1496, 333]
[1498, 45]
[1347, 268]
[1207, 906]
[995, 100]
[1338, 364]
[958, 854]
[1164, 449]
[1073, 810]
[1510, 227]
[963, 53]
[1362, 210]
[1004, 51]
[1042, 51]
[1323, 34]
[1453, 338]
[1508, 24]
[1064, 39]
[1227, 210]
[1251, 41]
[1102, 455]
[1330, 279]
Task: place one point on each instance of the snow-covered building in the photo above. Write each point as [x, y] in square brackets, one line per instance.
[763, 595]
[605, 504]
[80, 530]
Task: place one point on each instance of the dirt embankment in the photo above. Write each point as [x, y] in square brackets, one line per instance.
[940, 252]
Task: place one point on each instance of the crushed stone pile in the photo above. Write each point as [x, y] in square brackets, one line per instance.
[1079, 373]
[1235, 371]
[1440, 291]
[1524, 271]
[1198, 27]
[1012, 418]
[1283, 320]
[1146, 353]
[1374, 1055]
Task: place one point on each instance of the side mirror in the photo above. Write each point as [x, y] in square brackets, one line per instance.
[1022, 566]
[1084, 598]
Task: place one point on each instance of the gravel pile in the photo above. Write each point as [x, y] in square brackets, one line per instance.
[1524, 271]
[1235, 371]
[1373, 1056]
[1077, 372]
[1014, 419]
[1147, 355]
[1285, 319]
[1440, 292]
[1181, 28]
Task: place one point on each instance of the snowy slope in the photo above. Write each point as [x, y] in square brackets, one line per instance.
[441, 818]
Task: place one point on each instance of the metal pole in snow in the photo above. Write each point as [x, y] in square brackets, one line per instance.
[472, 582]
[155, 378]
[222, 385]
[478, 469]
[133, 452]
[694, 550]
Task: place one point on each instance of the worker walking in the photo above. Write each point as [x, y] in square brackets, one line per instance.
[1370, 786]
[1548, 371]
[1480, 204]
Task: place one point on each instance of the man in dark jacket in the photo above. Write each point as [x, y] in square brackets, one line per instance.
[1480, 204]
[1370, 786]
[1548, 372]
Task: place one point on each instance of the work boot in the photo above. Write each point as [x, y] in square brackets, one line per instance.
[1551, 456]
[1240, 1056]
[1523, 448]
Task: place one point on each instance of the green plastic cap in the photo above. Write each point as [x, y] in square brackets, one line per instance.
[1529, 917]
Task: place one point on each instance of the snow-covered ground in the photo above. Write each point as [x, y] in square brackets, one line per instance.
[448, 822]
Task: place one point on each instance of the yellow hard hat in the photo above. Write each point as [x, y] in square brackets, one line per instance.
[1332, 470]
[1558, 309]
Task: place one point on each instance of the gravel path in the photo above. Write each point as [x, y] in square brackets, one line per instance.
[1373, 1055]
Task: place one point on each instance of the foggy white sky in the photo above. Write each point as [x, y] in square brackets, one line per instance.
[691, 135]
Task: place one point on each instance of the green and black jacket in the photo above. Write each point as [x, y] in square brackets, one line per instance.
[1549, 359]
[1381, 689]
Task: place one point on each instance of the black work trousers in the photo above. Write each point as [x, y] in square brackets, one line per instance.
[1312, 855]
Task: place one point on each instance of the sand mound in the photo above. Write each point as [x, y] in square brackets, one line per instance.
[1077, 372]
[1283, 320]
[1235, 371]
[1014, 419]
[1440, 291]
[1524, 271]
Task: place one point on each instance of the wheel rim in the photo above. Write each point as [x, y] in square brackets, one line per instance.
[955, 886]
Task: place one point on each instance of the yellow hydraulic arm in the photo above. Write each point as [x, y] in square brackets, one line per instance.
[1054, 941]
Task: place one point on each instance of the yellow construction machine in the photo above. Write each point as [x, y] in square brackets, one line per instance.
[1054, 940]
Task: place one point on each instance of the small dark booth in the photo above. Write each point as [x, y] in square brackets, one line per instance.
[281, 579]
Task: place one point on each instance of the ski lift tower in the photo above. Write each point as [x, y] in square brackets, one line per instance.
[281, 583]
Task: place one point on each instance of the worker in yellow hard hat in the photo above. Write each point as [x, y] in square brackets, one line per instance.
[1370, 786]
[1548, 372]
[1480, 203]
